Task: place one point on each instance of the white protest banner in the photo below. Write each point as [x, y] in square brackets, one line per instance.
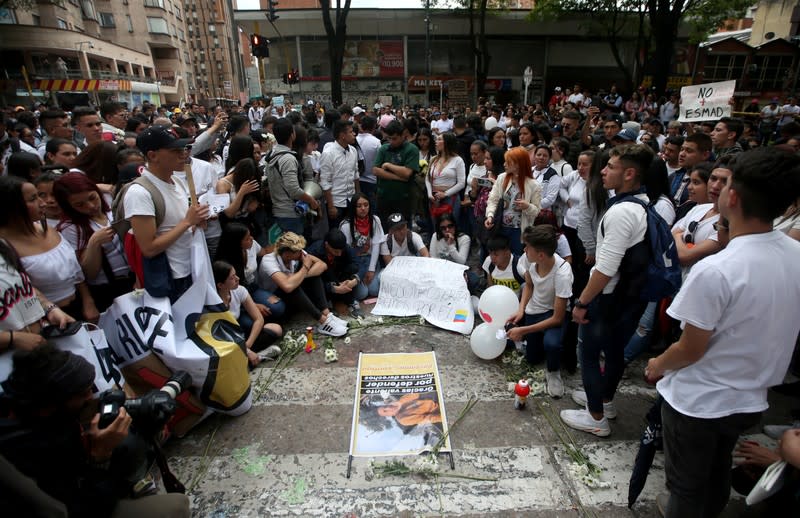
[432, 288]
[707, 102]
[277, 101]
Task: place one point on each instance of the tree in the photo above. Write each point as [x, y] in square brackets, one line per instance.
[651, 24]
[337, 35]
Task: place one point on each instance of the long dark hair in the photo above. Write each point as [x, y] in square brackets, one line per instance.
[498, 160]
[241, 147]
[230, 247]
[352, 216]
[245, 170]
[74, 183]
[99, 162]
[596, 194]
[15, 210]
[447, 216]
[22, 164]
[221, 270]
[656, 180]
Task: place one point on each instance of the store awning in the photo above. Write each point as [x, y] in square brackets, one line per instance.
[83, 85]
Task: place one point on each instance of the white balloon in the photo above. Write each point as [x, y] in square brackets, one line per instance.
[484, 342]
[497, 305]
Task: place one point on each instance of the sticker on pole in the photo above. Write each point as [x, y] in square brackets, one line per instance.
[707, 102]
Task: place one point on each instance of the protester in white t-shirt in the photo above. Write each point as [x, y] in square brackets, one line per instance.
[738, 310]
[294, 276]
[501, 266]
[260, 336]
[401, 241]
[543, 306]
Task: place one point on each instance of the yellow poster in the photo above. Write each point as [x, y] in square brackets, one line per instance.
[398, 409]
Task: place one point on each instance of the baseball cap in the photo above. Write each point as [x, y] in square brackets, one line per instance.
[628, 134]
[395, 220]
[155, 138]
[186, 118]
[358, 110]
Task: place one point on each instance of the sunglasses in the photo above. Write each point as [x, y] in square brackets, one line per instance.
[689, 237]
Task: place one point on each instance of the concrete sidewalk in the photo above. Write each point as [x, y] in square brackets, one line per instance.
[288, 455]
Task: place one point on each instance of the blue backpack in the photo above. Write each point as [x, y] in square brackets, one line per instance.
[663, 275]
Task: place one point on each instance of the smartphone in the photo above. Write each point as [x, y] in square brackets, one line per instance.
[119, 226]
[485, 182]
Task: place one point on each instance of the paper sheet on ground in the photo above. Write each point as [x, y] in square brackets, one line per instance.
[432, 288]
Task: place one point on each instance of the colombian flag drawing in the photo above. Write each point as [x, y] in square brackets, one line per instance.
[461, 316]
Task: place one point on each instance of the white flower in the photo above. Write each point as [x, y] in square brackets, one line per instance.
[347, 340]
[380, 320]
[422, 321]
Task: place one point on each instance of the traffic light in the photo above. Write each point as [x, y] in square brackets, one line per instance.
[271, 8]
[259, 46]
[290, 77]
[285, 78]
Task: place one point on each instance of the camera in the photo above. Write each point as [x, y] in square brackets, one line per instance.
[485, 182]
[149, 412]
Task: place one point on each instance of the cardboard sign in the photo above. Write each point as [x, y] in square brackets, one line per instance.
[707, 102]
[432, 288]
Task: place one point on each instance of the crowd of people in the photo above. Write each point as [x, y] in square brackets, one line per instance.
[301, 207]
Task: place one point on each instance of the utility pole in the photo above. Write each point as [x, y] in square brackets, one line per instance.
[428, 52]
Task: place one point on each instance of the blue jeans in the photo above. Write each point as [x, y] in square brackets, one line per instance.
[514, 236]
[611, 324]
[261, 296]
[640, 340]
[363, 291]
[545, 344]
[295, 225]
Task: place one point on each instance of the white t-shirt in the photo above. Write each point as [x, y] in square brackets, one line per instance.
[742, 295]
[399, 250]
[238, 296]
[557, 283]
[475, 171]
[113, 251]
[19, 306]
[622, 226]
[272, 264]
[504, 277]
[562, 250]
[442, 126]
[251, 265]
[665, 209]
[704, 230]
[138, 202]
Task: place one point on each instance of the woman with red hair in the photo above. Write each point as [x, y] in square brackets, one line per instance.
[515, 199]
[86, 225]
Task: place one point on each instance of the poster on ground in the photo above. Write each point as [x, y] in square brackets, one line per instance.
[706, 102]
[398, 408]
[434, 289]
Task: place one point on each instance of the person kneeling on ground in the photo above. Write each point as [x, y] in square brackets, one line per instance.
[341, 281]
[294, 276]
[548, 286]
[260, 336]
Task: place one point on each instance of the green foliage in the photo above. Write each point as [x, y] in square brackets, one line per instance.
[706, 16]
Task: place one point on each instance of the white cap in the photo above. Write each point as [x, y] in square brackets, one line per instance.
[358, 110]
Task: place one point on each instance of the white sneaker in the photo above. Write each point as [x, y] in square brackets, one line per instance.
[555, 387]
[331, 327]
[270, 353]
[609, 410]
[337, 319]
[583, 420]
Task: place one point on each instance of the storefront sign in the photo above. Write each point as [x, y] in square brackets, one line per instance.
[373, 59]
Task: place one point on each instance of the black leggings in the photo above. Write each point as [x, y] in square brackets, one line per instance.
[308, 297]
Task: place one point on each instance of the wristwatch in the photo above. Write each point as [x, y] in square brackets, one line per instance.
[580, 305]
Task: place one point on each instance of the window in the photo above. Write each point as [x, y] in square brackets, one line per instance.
[107, 20]
[7, 17]
[203, 66]
[178, 13]
[212, 27]
[154, 3]
[157, 25]
[36, 19]
[124, 2]
[87, 9]
[194, 15]
[190, 27]
[174, 30]
[181, 35]
[130, 22]
[216, 42]
[771, 72]
[61, 24]
[724, 67]
[185, 57]
[219, 65]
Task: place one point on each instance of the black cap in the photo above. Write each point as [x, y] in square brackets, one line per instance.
[395, 220]
[160, 137]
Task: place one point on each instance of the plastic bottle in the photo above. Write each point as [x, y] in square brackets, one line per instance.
[310, 345]
[521, 392]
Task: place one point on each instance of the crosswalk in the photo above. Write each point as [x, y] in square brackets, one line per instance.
[288, 455]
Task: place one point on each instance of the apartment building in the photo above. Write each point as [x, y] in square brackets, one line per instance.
[78, 51]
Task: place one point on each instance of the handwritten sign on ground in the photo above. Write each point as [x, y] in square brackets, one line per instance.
[707, 102]
[432, 288]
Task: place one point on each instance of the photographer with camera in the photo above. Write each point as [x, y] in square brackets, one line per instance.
[65, 467]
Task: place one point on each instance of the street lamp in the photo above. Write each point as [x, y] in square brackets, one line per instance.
[527, 77]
